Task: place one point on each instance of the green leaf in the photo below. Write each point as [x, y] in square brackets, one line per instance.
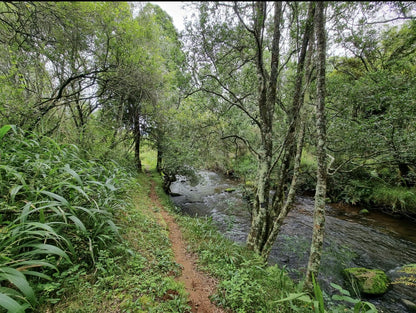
[15, 173]
[340, 289]
[19, 280]
[35, 263]
[56, 197]
[79, 189]
[14, 190]
[11, 305]
[80, 225]
[74, 174]
[5, 129]
[318, 295]
[296, 296]
[43, 248]
[37, 274]
[113, 226]
[345, 298]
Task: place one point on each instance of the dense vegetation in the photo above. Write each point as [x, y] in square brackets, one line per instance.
[57, 215]
[88, 87]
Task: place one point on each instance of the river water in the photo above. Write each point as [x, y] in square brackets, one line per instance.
[352, 240]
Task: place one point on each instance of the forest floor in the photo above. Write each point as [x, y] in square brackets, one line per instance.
[199, 285]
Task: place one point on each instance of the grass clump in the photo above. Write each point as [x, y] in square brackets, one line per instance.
[399, 199]
[56, 215]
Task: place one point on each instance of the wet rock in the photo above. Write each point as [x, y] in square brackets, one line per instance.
[368, 281]
[409, 304]
[403, 280]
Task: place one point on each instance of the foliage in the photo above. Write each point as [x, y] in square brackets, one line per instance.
[57, 212]
[370, 97]
[317, 301]
[359, 306]
[246, 284]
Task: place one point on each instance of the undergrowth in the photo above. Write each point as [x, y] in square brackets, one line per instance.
[71, 239]
[82, 235]
[56, 216]
[143, 280]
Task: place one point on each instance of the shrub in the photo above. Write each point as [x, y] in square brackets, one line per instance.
[56, 208]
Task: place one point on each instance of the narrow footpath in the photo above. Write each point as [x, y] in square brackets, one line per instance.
[197, 284]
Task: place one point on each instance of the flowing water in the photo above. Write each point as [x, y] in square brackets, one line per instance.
[352, 240]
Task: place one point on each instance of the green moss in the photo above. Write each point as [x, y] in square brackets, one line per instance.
[368, 281]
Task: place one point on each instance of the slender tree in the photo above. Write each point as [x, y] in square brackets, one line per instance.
[238, 59]
[320, 193]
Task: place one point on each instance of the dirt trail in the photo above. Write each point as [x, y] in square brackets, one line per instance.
[197, 284]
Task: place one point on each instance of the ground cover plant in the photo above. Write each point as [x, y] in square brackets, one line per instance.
[56, 215]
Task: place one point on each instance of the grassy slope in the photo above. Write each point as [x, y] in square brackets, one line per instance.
[142, 281]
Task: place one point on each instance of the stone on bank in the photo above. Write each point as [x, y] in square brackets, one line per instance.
[368, 281]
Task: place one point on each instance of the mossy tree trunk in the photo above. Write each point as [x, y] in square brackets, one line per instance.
[268, 216]
[320, 193]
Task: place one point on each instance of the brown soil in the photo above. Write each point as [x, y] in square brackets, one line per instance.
[197, 284]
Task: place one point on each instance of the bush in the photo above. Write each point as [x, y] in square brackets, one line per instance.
[56, 208]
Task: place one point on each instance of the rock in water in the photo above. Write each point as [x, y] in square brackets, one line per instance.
[409, 304]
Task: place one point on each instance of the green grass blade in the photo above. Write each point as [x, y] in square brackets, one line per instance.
[33, 264]
[113, 226]
[4, 130]
[43, 248]
[14, 172]
[56, 197]
[318, 295]
[37, 274]
[74, 174]
[13, 191]
[80, 225]
[19, 280]
[11, 305]
[10, 292]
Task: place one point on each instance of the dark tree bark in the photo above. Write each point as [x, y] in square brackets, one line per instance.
[137, 139]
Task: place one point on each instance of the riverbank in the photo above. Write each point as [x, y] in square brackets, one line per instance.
[148, 277]
[352, 239]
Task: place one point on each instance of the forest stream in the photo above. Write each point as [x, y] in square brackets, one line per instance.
[376, 240]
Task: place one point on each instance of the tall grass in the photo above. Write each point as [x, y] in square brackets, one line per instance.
[56, 209]
[399, 199]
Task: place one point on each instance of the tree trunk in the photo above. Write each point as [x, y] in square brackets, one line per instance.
[320, 194]
[159, 159]
[137, 139]
[259, 229]
[268, 216]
